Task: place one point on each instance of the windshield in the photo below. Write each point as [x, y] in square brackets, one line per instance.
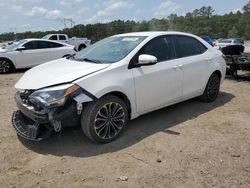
[109, 50]
[15, 45]
[46, 37]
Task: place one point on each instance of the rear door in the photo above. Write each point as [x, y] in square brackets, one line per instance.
[63, 38]
[56, 50]
[194, 59]
[159, 84]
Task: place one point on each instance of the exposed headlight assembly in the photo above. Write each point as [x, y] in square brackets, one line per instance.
[54, 96]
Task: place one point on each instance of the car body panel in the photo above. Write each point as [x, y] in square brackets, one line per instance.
[49, 74]
[162, 91]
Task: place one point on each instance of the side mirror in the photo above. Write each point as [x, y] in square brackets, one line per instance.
[20, 48]
[146, 60]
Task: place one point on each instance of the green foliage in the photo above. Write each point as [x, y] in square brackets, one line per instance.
[233, 33]
[246, 8]
[200, 22]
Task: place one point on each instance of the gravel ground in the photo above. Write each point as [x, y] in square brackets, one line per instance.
[247, 47]
[191, 144]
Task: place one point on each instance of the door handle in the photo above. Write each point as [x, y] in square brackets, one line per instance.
[175, 67]
[209, 59]
[180, 66]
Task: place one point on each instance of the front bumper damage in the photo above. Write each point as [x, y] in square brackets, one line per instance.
[37, 124]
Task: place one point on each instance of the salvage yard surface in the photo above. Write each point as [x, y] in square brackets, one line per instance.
[191, 144]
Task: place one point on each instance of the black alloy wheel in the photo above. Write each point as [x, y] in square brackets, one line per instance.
[103, 120]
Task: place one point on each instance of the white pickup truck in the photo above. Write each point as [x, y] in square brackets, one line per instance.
[79, 43]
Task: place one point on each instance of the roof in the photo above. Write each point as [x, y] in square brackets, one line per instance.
[32, 39]
[153, 33]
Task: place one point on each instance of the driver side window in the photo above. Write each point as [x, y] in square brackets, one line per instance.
[32, 45]
[161, 47]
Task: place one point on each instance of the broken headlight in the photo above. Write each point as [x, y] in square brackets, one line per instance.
[53, 96]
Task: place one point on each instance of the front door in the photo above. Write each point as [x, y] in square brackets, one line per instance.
[35, 53]
[159, 84]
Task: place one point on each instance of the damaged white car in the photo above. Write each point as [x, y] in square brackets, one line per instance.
[116, 80]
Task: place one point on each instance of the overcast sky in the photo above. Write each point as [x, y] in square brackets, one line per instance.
[35, 15]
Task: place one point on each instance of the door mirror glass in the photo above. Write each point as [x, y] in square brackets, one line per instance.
[145, 60]
[20, 48]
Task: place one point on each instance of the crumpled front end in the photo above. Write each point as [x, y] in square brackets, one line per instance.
[35, 121]
[29, 129]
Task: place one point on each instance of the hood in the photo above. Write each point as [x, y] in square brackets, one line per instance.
[57, 72]
[3, 50]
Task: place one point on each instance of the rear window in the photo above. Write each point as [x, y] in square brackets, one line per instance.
[62, 37]
[188, 46]
[55, 45]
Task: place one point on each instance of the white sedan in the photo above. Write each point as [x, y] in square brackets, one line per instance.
[31, 52]
[116, 80]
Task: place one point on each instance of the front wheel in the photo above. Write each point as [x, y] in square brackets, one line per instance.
[6, 66]
[212, 89]
[103, 121]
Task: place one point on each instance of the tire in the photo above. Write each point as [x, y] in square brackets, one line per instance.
[212, 89]
[103, 120]
[82, 46]
[6, 66]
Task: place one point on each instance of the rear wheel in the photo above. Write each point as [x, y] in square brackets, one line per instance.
[103, 121]
[6, 66]
[212, 89]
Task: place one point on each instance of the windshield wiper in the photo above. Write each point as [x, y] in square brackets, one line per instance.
[90, 60]
[70, 56]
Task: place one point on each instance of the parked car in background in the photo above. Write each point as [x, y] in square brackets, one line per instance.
[208, 40]
[11, 42]
[3, 45]
[240, 40]
[79, 43]
[31, 52]
[221, 43]
[115, 80]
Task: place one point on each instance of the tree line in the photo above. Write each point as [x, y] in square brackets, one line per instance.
[201, 21]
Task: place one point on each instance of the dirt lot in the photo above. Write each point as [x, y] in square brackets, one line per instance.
[191, 144]
[247, 47]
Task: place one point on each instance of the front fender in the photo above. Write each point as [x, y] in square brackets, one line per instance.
[109, 80]
[10, 58]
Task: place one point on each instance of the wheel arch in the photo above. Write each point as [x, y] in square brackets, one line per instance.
[124, 98]
[11, 61]
[81, 45]
[218, 72]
